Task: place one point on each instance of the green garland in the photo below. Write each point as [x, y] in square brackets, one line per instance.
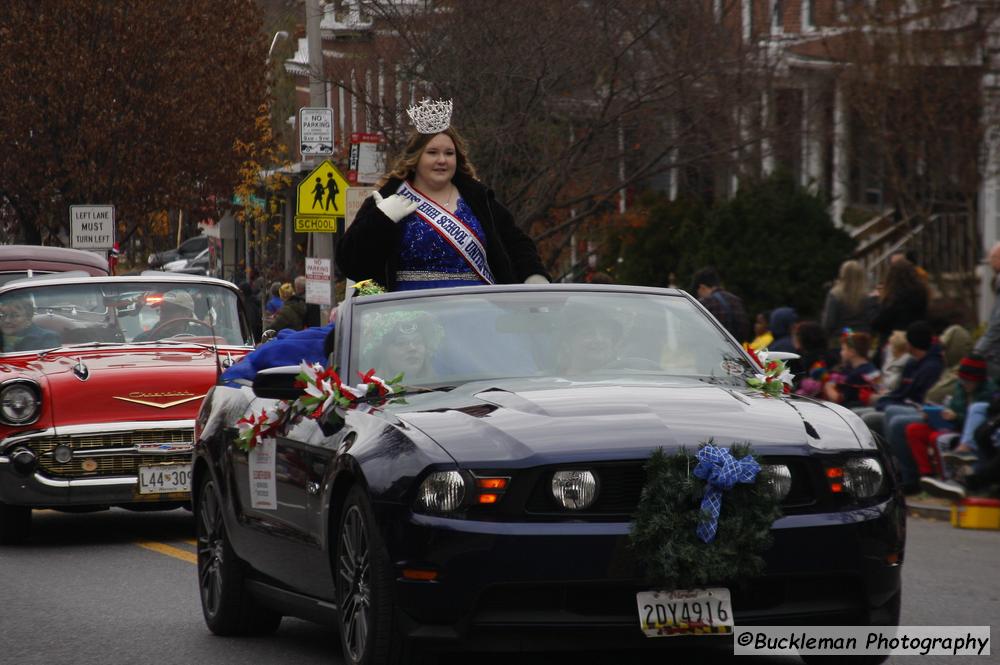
[663, 531]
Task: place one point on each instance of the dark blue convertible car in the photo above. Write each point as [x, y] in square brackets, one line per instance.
[489, 501]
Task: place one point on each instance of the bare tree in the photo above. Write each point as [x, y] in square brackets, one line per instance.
[911, 81]
[132, 103]
[570, 104]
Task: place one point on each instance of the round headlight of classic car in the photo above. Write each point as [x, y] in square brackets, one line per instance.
[574, 490]
[779, 479]
[19, 404]
[441, 492]
[864, 477]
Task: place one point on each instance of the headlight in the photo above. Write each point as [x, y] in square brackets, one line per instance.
[441, 492]
[19, 404]
[864, 477]
[574, 490]
[779, 479]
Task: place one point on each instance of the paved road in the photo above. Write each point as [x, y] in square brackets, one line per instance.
[119, 588]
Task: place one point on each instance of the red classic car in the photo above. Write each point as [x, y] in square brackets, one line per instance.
[100, 382]
[17, 261]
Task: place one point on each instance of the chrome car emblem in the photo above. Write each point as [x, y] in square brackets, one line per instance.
[82, 371]
[164, 447]
[146, 399]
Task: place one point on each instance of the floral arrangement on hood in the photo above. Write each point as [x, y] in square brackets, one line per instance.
[774, 379]
[322, 390]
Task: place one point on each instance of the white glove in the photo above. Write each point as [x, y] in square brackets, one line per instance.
[394, 206]
[536, 279]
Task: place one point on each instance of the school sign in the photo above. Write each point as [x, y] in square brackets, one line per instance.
[321, 200]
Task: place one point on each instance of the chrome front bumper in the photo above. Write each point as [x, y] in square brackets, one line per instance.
[103, 466]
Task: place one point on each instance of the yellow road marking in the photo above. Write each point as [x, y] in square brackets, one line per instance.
[191, 541]
[168, 550]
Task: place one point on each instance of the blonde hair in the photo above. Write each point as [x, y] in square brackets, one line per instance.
[405, 165]
[849, 288]
[897, 342]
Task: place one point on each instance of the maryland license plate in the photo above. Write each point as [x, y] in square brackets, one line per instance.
[164, 479]
[685, 612]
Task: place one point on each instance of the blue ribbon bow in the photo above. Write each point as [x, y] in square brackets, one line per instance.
[722, 471]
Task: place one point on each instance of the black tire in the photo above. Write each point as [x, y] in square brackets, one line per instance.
[363, 581]
[228, 607]
[15, 524]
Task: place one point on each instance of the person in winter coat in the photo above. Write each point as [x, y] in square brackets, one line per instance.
[432, 223]
[902, 406]
[902, 301]
[922, 437]
[782, 321]
[18, 332]
[727, 307]
[989, 344]
[848, 303]
[856, 379]
[293, 313]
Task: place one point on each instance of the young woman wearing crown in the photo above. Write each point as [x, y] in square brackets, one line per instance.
[432, 223]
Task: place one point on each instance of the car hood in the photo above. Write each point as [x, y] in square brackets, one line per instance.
[540, 422]
[124, 385]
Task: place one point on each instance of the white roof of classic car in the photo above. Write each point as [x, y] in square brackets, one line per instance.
[147, 277]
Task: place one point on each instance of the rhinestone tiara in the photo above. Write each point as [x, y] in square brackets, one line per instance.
[431, 117]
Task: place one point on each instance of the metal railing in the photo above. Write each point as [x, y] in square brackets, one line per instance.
[947, 245]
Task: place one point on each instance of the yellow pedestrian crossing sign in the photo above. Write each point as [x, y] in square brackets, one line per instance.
[321, 200]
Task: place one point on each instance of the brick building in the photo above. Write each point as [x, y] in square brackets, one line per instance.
[807, 120]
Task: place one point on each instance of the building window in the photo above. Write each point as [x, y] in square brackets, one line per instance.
[747, 19]
[777, 16]
[808, 20]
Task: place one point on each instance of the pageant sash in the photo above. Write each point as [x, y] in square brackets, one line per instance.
[452, 229]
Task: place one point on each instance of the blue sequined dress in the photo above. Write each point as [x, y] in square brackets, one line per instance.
[428, 261]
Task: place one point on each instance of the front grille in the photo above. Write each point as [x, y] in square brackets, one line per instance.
[621, 486]
[127, 463]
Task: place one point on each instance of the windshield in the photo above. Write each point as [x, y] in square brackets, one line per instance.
[48, 316]
[454, 339]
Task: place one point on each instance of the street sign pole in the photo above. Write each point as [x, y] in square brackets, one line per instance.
[323, 242]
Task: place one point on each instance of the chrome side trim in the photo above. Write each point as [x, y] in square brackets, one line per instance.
[102, 428]
[86, 482]
[118, 452]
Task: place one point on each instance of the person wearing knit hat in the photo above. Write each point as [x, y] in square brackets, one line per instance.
[972, 368]
[924, 438]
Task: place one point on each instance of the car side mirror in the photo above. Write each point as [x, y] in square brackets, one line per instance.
[277, 383]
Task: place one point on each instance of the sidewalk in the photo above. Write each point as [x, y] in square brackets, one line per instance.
[929, 507]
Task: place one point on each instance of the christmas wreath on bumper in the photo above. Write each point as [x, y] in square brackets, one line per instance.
[704, 519]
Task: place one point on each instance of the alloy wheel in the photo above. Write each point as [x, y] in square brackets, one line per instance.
[211, 553]
[354, 583]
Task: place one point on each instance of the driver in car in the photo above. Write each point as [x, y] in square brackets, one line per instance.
[19, 332]
[176, 314]
[591, 340]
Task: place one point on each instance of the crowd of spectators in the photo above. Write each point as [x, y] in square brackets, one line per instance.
[901, 358]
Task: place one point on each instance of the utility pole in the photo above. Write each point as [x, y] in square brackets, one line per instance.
[322, 243]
